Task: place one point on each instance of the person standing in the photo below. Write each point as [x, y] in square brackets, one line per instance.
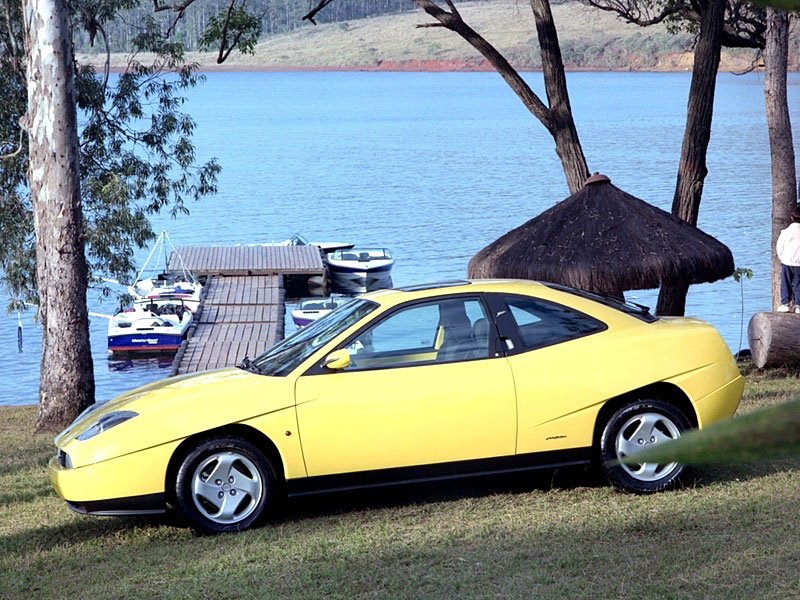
[788, 249]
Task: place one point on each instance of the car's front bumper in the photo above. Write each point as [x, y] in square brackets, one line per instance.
[126, 485]
[151, 504]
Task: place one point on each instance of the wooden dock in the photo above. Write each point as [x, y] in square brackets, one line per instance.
[240, 316]
[243, 308]
[248, 260]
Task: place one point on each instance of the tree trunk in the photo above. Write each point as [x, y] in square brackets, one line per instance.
[562, 124]
[557, 117]
[692, 169]
[67, 375]
[784, 178]
[774, 339]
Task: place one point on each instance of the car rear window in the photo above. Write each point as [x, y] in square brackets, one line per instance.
[629, 308]
[542, 323]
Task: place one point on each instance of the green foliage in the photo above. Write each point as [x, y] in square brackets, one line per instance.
[772, 432]
[234, 29]
[136, 156]
[741, 273]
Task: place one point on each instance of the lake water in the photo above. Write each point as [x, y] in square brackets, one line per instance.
[436, 165]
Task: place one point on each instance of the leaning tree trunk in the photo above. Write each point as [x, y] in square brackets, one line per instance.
[557, 117]
[784, 178]
[562, 124]
[67, 377]
[692, 169]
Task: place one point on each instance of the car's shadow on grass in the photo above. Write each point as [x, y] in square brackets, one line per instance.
[84, 529]
[707, 475]
[77, 531]
[337, 503]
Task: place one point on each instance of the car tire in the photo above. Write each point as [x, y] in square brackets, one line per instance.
[224, 484]
[639, 425]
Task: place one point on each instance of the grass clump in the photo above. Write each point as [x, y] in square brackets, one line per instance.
[733, 533]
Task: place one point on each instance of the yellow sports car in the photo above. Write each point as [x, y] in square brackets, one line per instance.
[420, 383]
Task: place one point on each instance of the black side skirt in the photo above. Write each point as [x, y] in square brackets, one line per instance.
[151, 504]
[438, 472]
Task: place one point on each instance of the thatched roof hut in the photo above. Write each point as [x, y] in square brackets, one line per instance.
[604, 240]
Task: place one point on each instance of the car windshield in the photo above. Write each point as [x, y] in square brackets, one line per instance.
[285, 356]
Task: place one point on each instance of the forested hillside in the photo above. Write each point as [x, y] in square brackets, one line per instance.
[361, 34]
[277, 16]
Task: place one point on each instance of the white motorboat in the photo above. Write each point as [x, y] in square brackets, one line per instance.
[360, 269]
[167, 287]
[150, 329]
[299, 240]
[311, 309]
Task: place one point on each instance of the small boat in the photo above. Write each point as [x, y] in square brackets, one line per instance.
[361, 269]
[299, 240]
[168, 287]
[311, 309]
[150, 329]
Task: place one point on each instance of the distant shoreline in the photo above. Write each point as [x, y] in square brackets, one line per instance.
[419, 66]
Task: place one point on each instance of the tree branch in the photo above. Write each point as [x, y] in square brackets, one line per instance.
[313, 12]
[178, 7]
[452, 20]
[11, 43]
[224, 37]
[757, 62]
[633, 12]
[19, 146]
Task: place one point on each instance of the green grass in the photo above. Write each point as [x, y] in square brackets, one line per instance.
[734, 533]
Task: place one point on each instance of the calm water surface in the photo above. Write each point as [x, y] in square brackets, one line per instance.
[435, 166]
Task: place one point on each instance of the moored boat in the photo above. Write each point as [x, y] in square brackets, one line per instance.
[311, 309]
[167, 288]
[360, 269]
[150, 329]
[299, 240]
[175, 287]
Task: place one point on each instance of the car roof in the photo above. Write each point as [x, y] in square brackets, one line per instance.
[559, 294]
[465, 286]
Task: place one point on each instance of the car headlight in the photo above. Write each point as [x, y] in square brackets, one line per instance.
[106, 422]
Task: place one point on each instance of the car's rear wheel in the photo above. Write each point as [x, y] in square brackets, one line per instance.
[224, 484]
[633, 428]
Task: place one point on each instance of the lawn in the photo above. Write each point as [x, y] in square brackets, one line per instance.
[733, 533]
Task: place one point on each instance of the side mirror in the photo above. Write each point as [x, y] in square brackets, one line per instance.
[337, 360]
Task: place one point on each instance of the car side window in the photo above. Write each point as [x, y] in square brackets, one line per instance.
[542, 323]
[409, 330]
[447, 330]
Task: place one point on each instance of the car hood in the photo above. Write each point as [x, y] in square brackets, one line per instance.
[175, 408]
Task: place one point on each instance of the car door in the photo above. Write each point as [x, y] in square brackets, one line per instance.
[557, 358]
[424, 386]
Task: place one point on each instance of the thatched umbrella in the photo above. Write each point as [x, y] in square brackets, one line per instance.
[604, 240]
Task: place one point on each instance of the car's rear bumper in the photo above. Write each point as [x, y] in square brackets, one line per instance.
[721, 403]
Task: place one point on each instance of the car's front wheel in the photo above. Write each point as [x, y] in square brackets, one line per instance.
[224, 484]
[633, 428]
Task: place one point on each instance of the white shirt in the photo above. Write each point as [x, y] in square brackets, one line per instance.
[788, 245]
